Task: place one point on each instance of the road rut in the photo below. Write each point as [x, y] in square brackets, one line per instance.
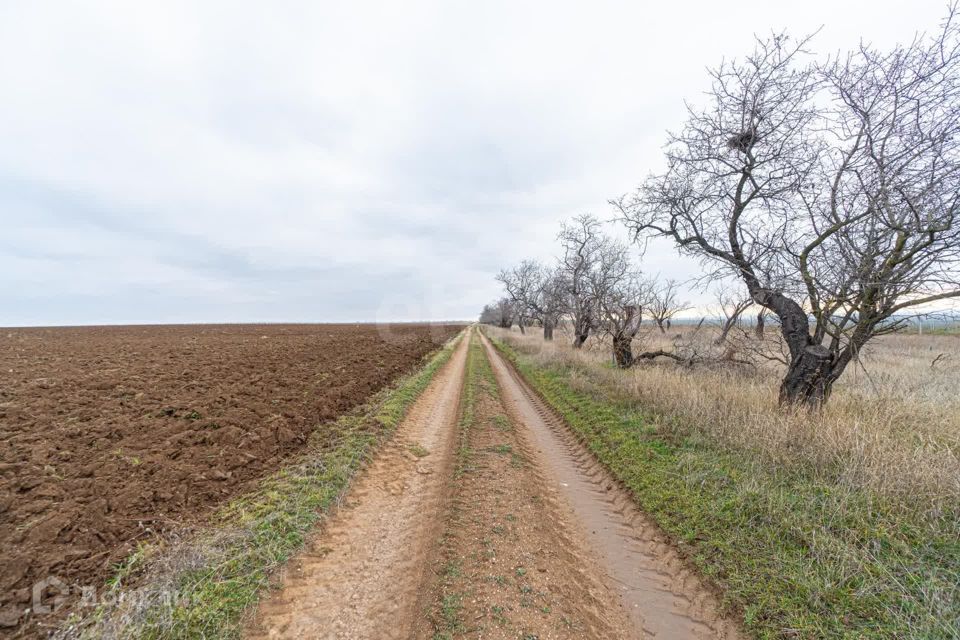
[511, 562]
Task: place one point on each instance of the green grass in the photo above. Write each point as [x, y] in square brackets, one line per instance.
[795, 555]
[454, 585]
[447, 622]
[216, 577]
[501, 422]
[450, 609]
[418, 450]
[468, 402]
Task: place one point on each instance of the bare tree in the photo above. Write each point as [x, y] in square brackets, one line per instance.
[581, 240]
[831, 188]
[617, 294]
[519, 284]
[537, 290]
[490, 315]
[621, 308]
[665, 303]
[732, 302]
[592, 267]
[758, 328]
[550, 300]
[500, 313]
[507, 311]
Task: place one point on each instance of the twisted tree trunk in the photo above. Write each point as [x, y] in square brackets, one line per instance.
[547, 328]
[581, 330]
[623, 350]
[623, 336]
[809, 378]
[813, 367]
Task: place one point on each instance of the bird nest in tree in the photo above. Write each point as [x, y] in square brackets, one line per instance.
[742, 141]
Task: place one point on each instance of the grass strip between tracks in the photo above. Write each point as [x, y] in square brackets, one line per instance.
[202, 586]
[793, 554]
[445, 614]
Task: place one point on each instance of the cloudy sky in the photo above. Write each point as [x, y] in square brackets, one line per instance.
[318, 161]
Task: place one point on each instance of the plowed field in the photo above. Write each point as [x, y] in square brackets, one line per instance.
[112, 435]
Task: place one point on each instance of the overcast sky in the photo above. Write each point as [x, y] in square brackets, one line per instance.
[318, 161]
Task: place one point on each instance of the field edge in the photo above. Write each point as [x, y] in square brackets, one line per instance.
[204, 584]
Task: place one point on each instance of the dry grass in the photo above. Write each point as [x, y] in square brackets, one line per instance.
[801, 531]
[892, 425]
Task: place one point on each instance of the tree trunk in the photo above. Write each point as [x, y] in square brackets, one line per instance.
[581, 330]
[812, 370]
[622, 350]
[547, 329]
[660, 325]
[725, 330]
[758, 330]
[520, 322]
[809, 378]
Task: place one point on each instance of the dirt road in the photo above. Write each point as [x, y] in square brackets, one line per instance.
[660, 594]
[484, 518]
[361, 575]
[511, 564]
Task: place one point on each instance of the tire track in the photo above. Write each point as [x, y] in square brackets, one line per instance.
[360, 577]
[659, 592]
[512, 562]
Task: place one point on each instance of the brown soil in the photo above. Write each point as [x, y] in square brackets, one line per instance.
[513, 561]
[359, 577]
[660, 594]
[113, 435]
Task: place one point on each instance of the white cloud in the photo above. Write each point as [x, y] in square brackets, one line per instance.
[322, 161]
